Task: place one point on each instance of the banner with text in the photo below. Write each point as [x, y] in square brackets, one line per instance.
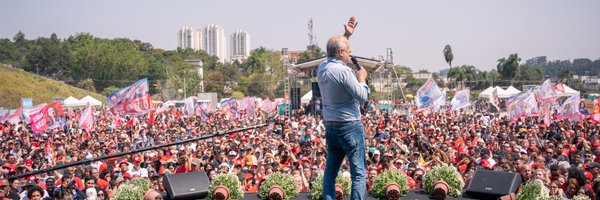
[131, 100]
[428, 94]
[49, 117]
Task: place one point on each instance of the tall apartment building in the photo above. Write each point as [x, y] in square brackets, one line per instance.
[187, 37]
[214, 41]
[240, 45]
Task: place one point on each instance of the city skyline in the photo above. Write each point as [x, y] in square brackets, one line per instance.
[479, 32]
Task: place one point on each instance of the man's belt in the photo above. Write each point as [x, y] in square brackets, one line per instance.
[333, 123]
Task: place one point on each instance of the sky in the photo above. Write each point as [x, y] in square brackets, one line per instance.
[480, 32]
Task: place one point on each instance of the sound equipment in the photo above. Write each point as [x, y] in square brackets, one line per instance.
[316, 92]
[492, 185]
[295, 98]
[191, 185]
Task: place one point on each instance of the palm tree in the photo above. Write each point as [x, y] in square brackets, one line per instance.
[509, 67]
[448, 55]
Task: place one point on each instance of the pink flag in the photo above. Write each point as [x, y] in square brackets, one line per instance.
[494, 100]
[131, 100]
[546, 92]
[86, 119]
[545, 111]
[570, 108]
[15, 118]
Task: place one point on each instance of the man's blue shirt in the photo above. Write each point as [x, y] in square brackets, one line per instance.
[341, 92]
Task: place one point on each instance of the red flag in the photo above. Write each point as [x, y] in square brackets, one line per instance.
[151, 118]
[129, 123]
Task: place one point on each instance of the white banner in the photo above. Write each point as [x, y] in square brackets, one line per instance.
[461, 99]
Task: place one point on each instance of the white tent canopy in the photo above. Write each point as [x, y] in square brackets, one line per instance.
[306, 98]
[568, 91]
[91, 100]
[510, 91]
[487, 92]
[72, 102]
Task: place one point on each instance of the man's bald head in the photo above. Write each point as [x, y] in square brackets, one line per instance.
[335, 44]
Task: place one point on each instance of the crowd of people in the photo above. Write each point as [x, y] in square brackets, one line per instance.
[564, 154]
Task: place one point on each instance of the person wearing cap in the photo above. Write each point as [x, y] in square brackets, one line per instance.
[137, 170]
[594, 169]
[195, 164]
[67, 184]
[124, 168]
[485, 154]
[27, 186]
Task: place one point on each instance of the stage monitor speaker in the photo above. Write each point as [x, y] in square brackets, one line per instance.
[492, 185]
[191, 185]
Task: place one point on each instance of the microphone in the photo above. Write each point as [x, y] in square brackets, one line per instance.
[355, 62]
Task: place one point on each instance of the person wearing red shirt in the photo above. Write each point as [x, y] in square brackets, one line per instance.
[109, 163]
[184, 164]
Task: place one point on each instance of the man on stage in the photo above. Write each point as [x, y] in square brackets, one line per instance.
[343, 91]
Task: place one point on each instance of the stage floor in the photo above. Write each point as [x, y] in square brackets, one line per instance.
[410, 196]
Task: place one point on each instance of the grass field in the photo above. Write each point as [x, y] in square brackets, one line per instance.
[16, 84]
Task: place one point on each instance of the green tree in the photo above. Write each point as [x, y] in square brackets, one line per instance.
[312, 53]
[509, 67]
[87, 84]
[260, 85]
[8, 51]
[48, 57]
[448, 55]
[215, 83]
[465, 73]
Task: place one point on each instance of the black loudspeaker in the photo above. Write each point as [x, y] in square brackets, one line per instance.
[492, 185]
[295, 98]
[191, 185]
[316, 92]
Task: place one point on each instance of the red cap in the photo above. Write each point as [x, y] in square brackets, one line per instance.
[7, 165]
[32, 178]
[249, 176]
[126, 176]
[137, 159]
[485, 164]
[596, 144]
[123, 162]
[534, 148]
